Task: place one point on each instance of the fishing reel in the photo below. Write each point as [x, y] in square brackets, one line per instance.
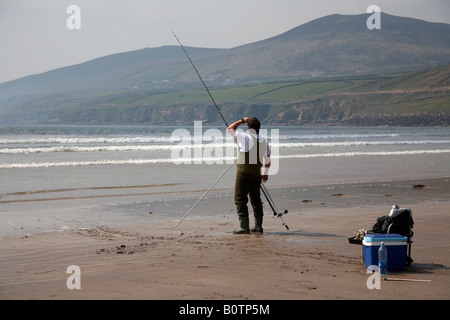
[279, 214]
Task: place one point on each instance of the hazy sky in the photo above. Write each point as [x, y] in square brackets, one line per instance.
[34, 37]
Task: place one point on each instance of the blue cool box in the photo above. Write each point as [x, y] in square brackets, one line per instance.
[396, 247]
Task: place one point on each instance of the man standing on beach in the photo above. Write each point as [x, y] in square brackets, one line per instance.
[254, 152]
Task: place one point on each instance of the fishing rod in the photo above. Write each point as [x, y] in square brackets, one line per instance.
[207, 191]
[207, 90]
[263, 187]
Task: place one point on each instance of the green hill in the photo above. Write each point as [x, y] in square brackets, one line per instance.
[419, 98]
[330, 70]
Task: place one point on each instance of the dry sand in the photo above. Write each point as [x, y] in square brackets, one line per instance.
[202, 259]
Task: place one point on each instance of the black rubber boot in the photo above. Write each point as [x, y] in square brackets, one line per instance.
[244, 229]
[258, 225]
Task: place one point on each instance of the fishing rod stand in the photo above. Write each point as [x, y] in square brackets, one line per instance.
[274, 207]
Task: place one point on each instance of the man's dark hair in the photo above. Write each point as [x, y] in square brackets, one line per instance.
[254, 123]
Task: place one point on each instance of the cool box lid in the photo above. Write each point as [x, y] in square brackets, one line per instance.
[386, 238]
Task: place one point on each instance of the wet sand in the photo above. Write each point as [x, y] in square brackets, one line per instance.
[202, 259]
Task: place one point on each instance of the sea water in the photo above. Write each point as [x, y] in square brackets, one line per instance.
[47, 172]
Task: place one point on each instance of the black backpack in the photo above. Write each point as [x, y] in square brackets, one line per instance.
[400, 223]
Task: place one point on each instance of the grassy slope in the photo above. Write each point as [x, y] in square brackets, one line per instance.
[295, 101]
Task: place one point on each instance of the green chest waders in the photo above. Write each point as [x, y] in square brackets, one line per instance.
[248, 182]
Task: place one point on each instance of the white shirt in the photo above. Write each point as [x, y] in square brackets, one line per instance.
[245, 143]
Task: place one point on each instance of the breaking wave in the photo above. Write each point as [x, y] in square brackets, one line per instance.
[120, 148]
[211, 160]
